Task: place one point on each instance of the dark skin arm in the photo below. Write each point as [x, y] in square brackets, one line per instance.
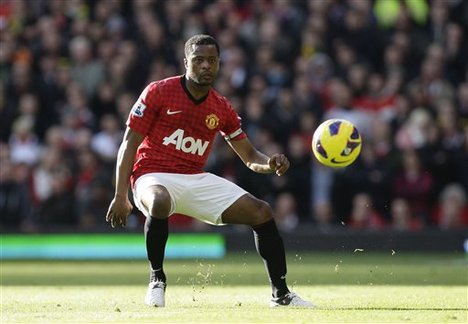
[257, 161]
[120, 207]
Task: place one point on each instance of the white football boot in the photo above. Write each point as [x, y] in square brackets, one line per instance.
[155, 295]
[291, 300]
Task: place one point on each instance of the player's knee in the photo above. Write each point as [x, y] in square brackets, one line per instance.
[160, 205]
[263, 213]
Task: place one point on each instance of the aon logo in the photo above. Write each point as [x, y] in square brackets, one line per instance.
[186, 144]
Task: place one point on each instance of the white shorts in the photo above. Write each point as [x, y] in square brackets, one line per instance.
[203, 196]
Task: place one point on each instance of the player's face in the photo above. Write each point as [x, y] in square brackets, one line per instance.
[202, 64]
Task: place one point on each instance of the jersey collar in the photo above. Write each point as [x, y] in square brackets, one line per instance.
[187, 92]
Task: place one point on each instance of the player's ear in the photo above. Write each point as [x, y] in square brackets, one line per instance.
[185, 63]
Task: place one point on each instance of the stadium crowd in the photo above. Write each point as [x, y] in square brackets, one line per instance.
[71, 70]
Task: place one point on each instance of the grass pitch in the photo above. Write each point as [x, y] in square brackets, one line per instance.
[354, 287]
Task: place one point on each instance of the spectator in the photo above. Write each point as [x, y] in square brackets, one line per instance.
[52, 186]
[104, 102]
[363, 215]
[28, 108]
[255, 118]
[454, 47]
[285, 211]
[414, 184]
[85, 70]
[412, 134]
[450, 131]
[402, 218]
[430, 86]
[106, 142]
[15, 200]
[88, 171]
[50, 165]
[58, 209]
[76, 112]
[452, 210]
[299, 175]
[24, 143]
[284, 114]
[20, 80]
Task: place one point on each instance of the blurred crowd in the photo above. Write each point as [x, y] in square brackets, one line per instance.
[70, 70]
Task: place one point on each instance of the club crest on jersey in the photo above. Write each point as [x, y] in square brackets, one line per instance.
[212, 121]
[138, 109]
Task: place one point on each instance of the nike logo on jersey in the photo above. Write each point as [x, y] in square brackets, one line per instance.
[173, 112]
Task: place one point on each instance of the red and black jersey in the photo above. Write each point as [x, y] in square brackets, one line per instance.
[179, 130]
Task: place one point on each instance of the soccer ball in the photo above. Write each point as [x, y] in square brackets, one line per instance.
[336, 143]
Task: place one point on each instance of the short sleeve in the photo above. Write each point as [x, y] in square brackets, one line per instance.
[232, 130]
[144, 111]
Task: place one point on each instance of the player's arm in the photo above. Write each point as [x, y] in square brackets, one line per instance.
[120, 206]
[256, 160]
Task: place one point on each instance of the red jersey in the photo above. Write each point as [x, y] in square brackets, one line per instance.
[179, 130]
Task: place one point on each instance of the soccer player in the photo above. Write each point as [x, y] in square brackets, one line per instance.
[169, 135]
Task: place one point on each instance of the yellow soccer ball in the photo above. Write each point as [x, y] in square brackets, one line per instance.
[336, 143]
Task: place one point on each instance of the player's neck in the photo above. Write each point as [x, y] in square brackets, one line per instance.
[197, 91]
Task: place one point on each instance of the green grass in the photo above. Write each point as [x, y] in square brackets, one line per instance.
[354, 287]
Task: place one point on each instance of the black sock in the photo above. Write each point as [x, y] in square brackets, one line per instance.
[156, 234]
[270, 246]
[157, 275]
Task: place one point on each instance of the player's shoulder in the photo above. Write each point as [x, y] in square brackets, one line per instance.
[170, 81]
[219, 98]
[164, 84]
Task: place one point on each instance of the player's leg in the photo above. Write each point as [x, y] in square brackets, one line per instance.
[258, 214]
[156, 201]
[217, 201]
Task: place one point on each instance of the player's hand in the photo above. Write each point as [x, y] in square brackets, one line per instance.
[119, 209]
[279, 163]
